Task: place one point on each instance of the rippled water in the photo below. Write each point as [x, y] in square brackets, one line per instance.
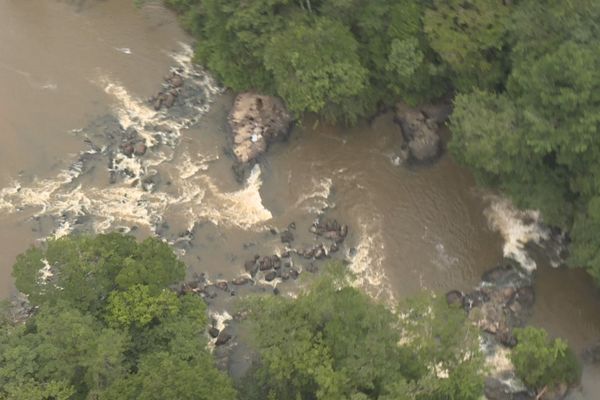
[70, 69]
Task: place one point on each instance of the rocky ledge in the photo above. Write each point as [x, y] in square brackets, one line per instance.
[256, 121]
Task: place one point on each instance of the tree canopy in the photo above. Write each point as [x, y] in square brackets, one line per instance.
[107, 326]
[541, 362]
[341, 59]
[333, 342]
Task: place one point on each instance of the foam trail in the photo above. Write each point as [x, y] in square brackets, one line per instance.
[184, 59]
[316, 201]
[367, 263]
[242, 208]
[517, 227]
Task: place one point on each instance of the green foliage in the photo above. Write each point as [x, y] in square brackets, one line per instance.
[166, 376]
[442, 343]
[137, 306]
[469, 37]
[83, 270]
[541, 362]
[338, 58]
[31, 390]
[316, 68]
[107, 326]
[333, 342]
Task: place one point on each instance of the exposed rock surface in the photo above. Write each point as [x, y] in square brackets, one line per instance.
[501, 302]
[420, 133]
[170, 92]
[256, 121]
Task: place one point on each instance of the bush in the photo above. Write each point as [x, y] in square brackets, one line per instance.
[542, 362]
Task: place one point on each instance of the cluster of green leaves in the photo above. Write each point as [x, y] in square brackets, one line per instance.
[538, 139]
[334, 342]
[107, 326]
[541, 362]
[343, 58]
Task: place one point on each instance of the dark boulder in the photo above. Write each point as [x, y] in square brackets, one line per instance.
[223, 338]
[251, 267]
[454, 297]
[287, 237]
[270, 276]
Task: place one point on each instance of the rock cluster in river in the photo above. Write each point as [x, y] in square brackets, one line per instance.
[256, 121]
[266, 271]
[167, 96]
[501, 302]
[420, 132]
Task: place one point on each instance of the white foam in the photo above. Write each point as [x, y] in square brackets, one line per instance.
[220, 319]
[45, 273]
[517, 227]
[187, 167]
[193, 192]
[184, 59]
[124, 50]
[367, 263]
[316, 200]
[242, 208]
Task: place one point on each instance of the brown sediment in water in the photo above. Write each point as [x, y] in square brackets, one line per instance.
[411, 228]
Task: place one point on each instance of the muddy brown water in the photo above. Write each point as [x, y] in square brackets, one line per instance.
[66, 63]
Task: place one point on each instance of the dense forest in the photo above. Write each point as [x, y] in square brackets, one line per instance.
[525, 93]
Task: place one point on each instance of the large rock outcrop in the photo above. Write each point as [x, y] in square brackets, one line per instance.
[420, 133]
[256, 121]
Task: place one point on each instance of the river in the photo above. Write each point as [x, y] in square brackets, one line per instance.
[68, 67]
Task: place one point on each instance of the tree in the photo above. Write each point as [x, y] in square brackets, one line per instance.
[106, 326]
[316, 68]
[470, 36]
[83, 270]
[333, 342]
[165, 376]
[445, 346]
[541, 362]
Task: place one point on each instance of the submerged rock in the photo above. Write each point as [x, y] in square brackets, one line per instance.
[256, 121]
